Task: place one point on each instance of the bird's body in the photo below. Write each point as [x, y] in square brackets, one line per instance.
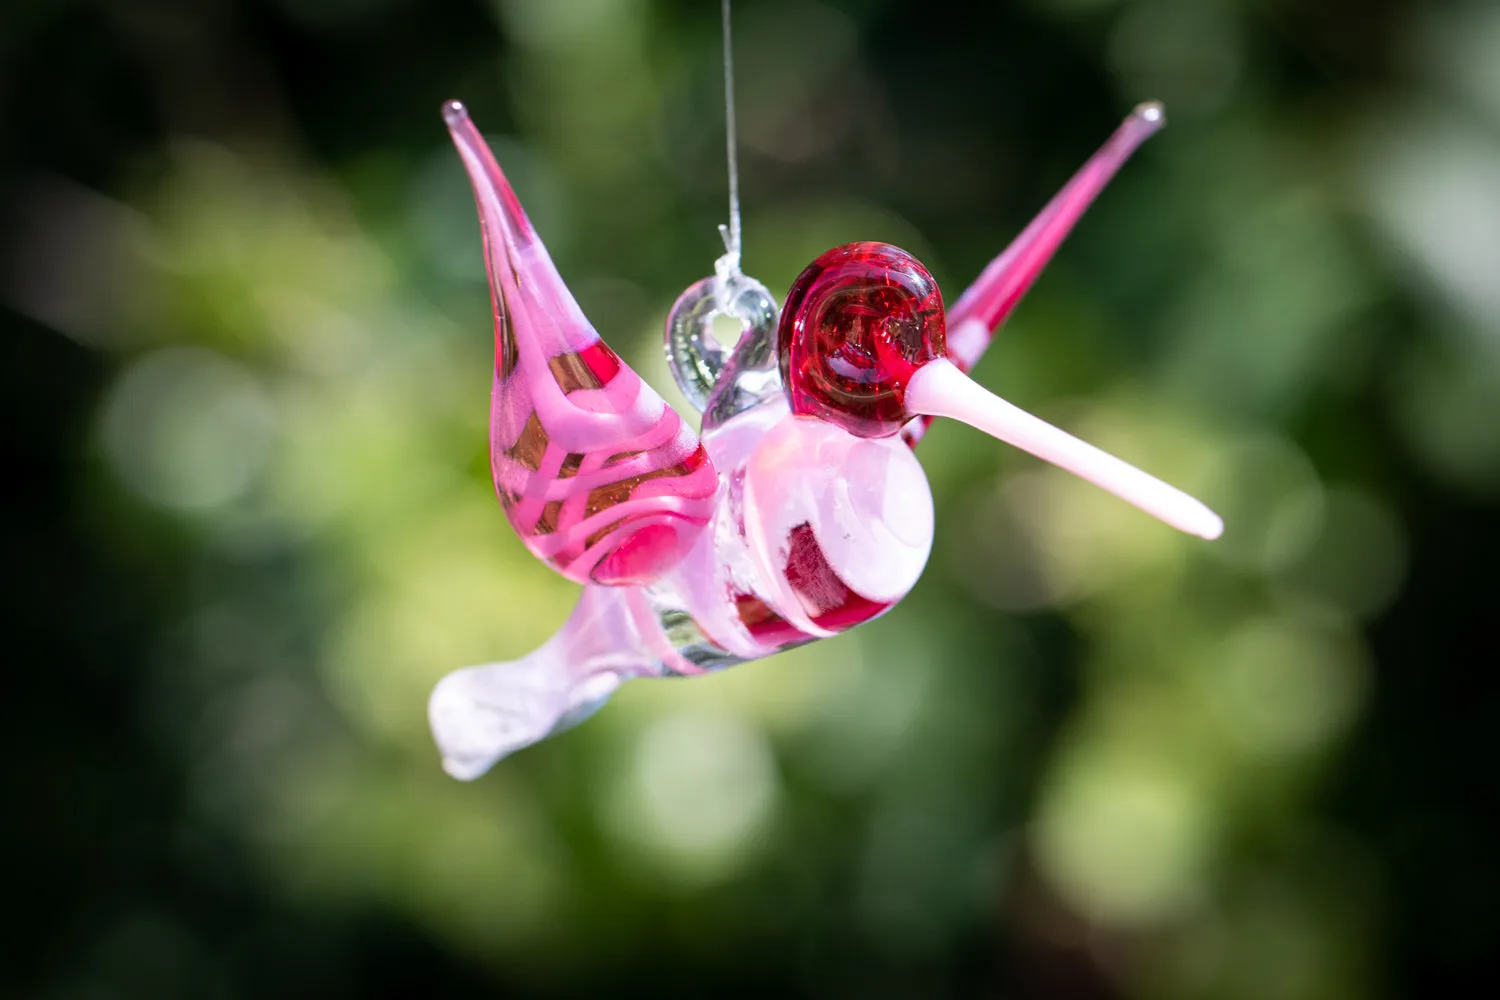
[799, 513]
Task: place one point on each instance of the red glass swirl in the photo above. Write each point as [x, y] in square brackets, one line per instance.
[857, 323]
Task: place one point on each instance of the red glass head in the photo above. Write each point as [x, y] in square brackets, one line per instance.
[856, 325]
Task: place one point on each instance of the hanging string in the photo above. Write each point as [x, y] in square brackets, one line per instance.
[727, 267]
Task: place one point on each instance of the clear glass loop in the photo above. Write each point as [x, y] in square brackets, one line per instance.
[699, 362]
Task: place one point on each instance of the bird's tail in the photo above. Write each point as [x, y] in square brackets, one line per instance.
[484, 713]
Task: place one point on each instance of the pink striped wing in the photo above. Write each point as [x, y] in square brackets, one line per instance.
[598, 475]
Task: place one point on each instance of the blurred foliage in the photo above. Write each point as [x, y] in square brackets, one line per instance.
[248, 520]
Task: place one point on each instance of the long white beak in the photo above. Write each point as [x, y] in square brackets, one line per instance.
[939, 389]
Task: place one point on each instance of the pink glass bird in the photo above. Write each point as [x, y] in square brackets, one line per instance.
[799, 513]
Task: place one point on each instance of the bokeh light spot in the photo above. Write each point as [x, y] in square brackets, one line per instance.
[1359, 559]
[697, 791]
[1272, 503]
[1123, 840]
[187, 428]
[1286, 687]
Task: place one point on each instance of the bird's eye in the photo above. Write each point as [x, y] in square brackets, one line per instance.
[857, 324]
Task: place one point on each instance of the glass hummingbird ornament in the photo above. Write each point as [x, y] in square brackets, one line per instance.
[801, 510]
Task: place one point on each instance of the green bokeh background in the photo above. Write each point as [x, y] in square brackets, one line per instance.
[248, 521]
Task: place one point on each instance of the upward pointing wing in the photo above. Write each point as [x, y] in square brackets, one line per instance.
[986, 304]
[599, 477]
